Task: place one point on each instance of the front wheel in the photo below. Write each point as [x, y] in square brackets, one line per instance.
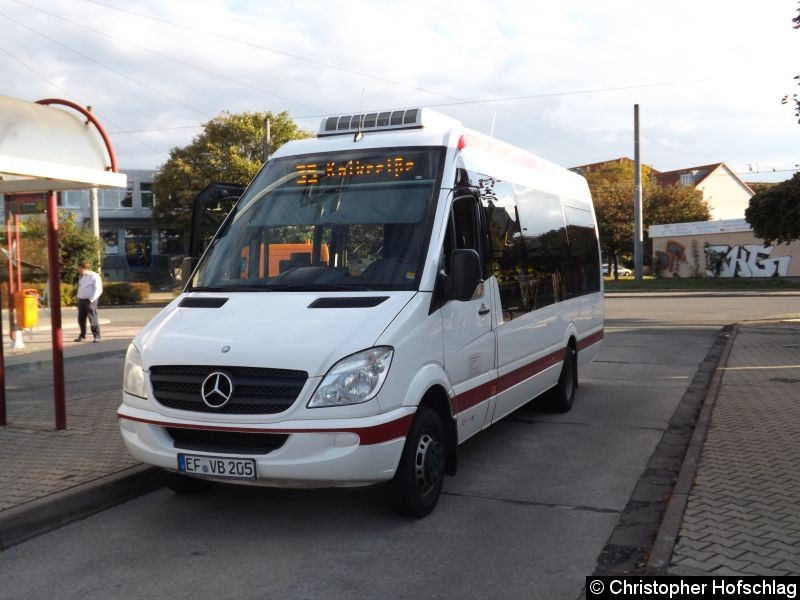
[417, 484]
[563, 395]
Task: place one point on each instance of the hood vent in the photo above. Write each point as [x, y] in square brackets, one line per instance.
[193, 302]
[357, 302]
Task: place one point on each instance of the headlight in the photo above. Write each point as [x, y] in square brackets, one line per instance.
[354, 379]
[133, 377]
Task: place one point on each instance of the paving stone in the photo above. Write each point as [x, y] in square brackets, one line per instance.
[759, 559]
[788, 556]
[725, 571]
[690, 563]
[698, 555]
[744, 498]
[789, 567]
[693, 544]
[39, 462]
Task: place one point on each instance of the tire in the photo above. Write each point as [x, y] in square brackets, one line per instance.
[562, 395]
[181, 484]
[417, 484]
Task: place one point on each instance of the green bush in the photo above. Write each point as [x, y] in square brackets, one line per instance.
[69, 294]
[113, 293]
[120, 292]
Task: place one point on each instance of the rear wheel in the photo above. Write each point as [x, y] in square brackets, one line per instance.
[417, 484]
[181, 484]
[562, 396]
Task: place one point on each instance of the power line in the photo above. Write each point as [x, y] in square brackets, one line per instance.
[71, 97]
[113, 70]
[177, 127]
[457, 101]
[168, 57]
[271, 50]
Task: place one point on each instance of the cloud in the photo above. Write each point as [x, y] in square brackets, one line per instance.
[708, 75]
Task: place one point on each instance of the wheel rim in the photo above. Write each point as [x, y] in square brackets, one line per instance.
[429, 463]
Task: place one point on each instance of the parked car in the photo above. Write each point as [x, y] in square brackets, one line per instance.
[621, 271]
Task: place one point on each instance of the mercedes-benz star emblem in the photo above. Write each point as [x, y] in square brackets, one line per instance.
[217, 389]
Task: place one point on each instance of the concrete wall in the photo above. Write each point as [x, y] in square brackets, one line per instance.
[728, 253]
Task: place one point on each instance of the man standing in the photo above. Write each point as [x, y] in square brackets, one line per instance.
[90, 286]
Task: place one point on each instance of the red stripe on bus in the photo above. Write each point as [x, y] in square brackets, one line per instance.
[483, 392]
[590, 340]
[377, 434]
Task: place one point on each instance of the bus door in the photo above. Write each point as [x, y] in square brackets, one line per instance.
[469, 339]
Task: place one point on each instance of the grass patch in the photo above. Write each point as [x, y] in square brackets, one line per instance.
[652, 284]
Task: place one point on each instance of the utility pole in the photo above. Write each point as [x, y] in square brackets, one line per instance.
[637, 198]
[267, 136]
[93, 209]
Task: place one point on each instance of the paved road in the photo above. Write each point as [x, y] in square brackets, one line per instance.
[533, 505]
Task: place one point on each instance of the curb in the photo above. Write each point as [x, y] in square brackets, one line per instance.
[667, 535]
[51, 512]
[631, 542]
[39, 365]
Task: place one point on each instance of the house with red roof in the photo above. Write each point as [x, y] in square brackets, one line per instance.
[726, 194]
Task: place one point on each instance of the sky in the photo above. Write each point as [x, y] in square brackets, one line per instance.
[557, 78]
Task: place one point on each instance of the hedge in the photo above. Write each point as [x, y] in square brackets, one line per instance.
[114, 293]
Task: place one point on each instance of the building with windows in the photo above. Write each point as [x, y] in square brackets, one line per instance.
[135, 249]
[126, 222]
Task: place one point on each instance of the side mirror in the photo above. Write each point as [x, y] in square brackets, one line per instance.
[465, 271]
[187, 266]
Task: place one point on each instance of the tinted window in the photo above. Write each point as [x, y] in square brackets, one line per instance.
[506, 251]
[537, 259]
[582, 272]
[545, 239]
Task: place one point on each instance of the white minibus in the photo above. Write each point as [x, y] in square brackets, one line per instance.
[378, 295]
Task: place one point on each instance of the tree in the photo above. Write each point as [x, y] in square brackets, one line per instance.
[230, 149]
[611, 184]
[75, 243]
[795, 98]
[674, 203]
[774, 214]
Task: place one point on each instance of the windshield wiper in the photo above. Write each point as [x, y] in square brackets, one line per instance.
[232, 288]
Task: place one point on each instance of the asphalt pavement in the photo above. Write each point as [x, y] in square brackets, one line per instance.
[734, 508]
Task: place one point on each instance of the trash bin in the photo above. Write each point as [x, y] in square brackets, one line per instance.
[26, 305]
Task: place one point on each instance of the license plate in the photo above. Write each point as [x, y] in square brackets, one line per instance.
[217, 466]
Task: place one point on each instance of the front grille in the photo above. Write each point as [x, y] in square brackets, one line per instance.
[225, 442]
[256, 391]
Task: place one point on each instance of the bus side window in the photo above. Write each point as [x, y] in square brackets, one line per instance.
[464, 231]
[467, 227]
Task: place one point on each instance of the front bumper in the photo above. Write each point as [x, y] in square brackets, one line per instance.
[320, 453]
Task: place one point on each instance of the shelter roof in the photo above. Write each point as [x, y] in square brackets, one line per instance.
[44, 148]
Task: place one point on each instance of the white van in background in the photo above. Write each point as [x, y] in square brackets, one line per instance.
[378, 295]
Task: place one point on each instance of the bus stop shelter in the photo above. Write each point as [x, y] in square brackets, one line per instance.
[45, 147]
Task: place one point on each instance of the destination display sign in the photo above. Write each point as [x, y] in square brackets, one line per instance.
[377, 168]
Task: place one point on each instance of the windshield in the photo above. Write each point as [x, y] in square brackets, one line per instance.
[356, 220]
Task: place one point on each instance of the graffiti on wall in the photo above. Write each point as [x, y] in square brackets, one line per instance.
[748, 260]
[670, 259]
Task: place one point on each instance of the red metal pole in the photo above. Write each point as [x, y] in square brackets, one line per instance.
[59, 397]
[3, 420]
[3, 417]
[11, 280]
[18, 254]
